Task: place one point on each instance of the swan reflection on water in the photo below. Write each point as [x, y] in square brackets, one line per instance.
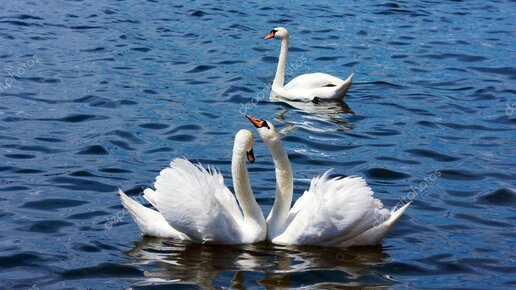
[266, 265]
[316, 113]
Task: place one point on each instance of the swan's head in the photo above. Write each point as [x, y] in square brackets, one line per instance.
[278, 32]
[244, 144]
[267, 131]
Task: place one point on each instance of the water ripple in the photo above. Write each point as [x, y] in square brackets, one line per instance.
[100, 96]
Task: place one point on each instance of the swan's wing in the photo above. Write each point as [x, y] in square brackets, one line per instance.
[196, 202]
[150, 222]
[331, 211]
[313, 81]
[227, 201]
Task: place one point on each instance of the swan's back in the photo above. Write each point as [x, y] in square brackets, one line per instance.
[307, 87]
[313, 81]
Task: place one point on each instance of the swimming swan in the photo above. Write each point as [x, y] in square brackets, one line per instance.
[194, 204]
[312, 87]
[336, 212]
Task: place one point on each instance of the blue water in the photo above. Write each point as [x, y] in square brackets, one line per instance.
[97, 95]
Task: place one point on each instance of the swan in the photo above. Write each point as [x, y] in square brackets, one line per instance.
[312, 87]
[334, 212]
[194, 204]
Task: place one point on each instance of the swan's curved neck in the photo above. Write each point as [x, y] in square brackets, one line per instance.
[279, 79]
[277, 219]
[244, 194]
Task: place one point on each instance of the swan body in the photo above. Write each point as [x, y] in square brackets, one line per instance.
[335, 212]
[194, 204]
[311, 87]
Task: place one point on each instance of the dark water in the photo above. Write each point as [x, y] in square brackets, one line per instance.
[98, 95]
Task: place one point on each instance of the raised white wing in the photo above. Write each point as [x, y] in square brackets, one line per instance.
[330, 212]
[196, 202]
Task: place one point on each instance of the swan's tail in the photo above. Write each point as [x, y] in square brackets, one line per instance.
[342, 90]
[395, 216]
[374, 235]
[150, 222]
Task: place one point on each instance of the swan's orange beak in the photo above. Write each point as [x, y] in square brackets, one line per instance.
[256, 122]
[270, 35]
[250, 156]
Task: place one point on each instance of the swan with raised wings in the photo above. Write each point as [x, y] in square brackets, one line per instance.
[335, 212]
[312, 87]
[193, 203]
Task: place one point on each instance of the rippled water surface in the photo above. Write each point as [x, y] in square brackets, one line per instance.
[97, 95]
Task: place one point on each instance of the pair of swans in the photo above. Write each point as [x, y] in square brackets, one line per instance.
[313, 87]
[194, 204]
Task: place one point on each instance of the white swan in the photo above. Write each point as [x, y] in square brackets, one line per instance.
[311, 87]
[336, 212]
[194, 204]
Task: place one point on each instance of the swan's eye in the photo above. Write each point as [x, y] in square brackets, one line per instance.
[271, 34]
[264, 124]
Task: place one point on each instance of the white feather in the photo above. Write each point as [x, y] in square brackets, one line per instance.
[330, 211]
[196, 202]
